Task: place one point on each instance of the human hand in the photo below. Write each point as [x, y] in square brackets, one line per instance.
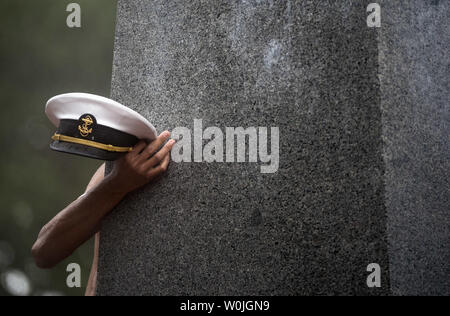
[142, 165]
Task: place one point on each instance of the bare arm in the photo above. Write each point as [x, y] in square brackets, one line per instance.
[79, 221]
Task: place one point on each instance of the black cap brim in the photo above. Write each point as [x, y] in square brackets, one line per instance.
[85, 151]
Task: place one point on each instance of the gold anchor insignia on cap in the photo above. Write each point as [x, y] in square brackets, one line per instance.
[84, 128]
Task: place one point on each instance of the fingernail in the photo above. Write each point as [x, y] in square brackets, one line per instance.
[166, 134]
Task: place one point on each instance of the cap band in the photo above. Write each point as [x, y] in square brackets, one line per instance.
[90, 143]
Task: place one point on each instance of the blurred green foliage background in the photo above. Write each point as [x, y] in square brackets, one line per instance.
[41, 57]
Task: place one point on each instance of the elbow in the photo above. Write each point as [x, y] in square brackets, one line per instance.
[40, 258]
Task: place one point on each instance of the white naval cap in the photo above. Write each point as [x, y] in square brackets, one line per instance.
[94, 126]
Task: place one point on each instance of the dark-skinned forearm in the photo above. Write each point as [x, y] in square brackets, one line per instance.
[81, 219]
[76, 223]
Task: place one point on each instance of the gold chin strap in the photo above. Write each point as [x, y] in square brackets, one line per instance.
[91, 143]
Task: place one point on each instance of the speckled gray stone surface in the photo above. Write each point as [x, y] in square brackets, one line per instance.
[308, 67]
[415, 86]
